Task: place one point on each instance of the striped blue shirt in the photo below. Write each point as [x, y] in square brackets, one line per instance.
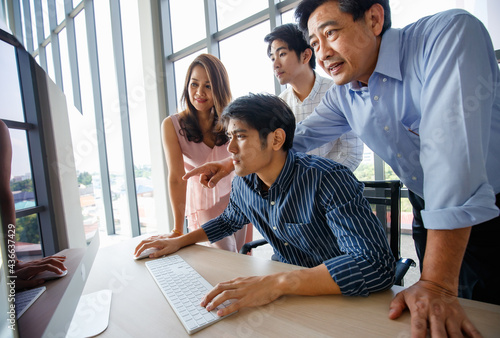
[314, 213]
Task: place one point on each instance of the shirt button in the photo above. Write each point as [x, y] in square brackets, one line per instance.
[386, 128]
[274, 228]
[414, 178]
[375, 98]
[384, 79]
[399, 155]
[286, 244]
[273, 202]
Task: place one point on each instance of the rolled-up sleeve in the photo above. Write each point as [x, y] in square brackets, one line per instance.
[367, 264]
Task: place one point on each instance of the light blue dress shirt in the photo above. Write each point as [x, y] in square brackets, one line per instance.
[432, 112]
[313, 213]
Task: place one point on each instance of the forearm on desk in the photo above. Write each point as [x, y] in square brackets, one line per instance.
[192, 237]
[307, 282]
[443, 257]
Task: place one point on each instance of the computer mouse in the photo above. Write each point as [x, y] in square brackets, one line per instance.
[49, 275]
[146, 253]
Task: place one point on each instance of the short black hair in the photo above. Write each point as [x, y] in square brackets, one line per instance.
[292, 35]
[263, 112]
[356, 8]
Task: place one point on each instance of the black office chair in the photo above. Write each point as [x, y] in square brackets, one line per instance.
[385, 198]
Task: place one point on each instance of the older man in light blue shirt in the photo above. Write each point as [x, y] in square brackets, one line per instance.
[422, 113]
[426, 99]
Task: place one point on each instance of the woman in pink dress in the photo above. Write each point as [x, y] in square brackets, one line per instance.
[194, 137]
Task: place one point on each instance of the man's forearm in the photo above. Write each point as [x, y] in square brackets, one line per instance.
[192, 237]
[308, 282]
[443, 256]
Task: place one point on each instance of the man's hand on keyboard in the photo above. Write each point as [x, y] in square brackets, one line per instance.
[245, 292]
[164, 245]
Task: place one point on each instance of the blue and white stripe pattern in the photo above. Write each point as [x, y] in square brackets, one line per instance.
[314, 213]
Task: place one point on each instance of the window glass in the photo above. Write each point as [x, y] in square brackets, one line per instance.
[406, 12]
[21, 185]
[45, 17]
[34, 23]
[112, 119]
[10, 92]
[65, 67]
[21, 182]
[84, 139]
[188, 22]
[180, 69]
[60, 12]
[23, 25]
[28, 244]
[50, 62]
[231, 11]
[249, 69]
[288, 17]
[137, 91]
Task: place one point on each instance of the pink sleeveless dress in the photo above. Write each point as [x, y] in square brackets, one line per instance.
[203, 204]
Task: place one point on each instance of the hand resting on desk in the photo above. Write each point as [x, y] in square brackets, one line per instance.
[163, 243]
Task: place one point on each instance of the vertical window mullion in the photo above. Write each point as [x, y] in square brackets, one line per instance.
[99, 117]
[54, 39]
[73, 59]
[116, 30]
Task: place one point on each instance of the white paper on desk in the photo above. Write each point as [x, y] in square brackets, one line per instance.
[91, 316]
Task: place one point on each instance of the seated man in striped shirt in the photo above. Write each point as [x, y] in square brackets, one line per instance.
[310, 209]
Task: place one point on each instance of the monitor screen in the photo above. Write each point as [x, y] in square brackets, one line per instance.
[50, 315]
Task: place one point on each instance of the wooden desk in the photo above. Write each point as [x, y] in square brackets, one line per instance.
[138, 308]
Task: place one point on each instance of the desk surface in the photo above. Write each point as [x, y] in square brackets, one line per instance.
[138, 308]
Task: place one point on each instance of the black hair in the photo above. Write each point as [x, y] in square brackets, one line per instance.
[356, 8]
[263, 112]
[291, 34]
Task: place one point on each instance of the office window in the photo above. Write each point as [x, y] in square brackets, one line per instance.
[288, 17]
[60, 12]
[188, 22]
[65, 67]
[136, 91]
[34, 22]
[231, 11]
[45, 18]
[50, 63]
[9, 85]
[246, 61]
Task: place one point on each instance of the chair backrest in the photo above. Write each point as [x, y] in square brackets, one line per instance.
[385, 198]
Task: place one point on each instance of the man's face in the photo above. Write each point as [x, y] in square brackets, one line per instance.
[345, 49]
[286, 63]
[248, 153]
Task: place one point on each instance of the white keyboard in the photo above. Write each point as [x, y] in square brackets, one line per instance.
[184, 289]
[24, 299]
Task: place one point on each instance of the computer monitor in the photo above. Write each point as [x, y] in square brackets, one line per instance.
[50, 315]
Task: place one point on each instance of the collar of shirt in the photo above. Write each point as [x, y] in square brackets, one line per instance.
[388, 56]
[283, 180]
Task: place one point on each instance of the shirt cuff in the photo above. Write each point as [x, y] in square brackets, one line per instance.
[477, 209]
[346, 273]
